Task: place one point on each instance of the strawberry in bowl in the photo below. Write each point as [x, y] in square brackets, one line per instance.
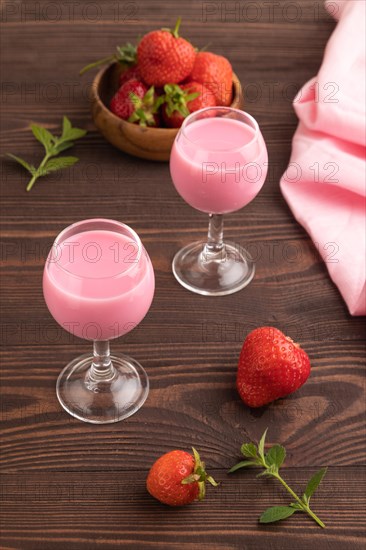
[176, 81]
[180, 101]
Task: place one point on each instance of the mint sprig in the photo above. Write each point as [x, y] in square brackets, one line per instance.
[53, 146]
[272, 462]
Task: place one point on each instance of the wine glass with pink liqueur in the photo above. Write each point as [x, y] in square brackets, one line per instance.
[218, 165]
[98, 284]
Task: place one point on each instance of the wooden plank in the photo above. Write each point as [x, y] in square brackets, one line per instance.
[68, 484]
[112, 509]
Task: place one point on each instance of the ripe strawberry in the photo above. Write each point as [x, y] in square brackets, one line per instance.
[270, 366]
[182, 100]
[164, 57]
[135, 103]
[216, 73]
[132, 73]
[178, 478]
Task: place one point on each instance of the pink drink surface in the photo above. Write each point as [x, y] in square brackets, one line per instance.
[217, 166]
[105, 292]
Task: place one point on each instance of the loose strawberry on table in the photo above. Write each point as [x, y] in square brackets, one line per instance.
[164, 57]
[270, 366]
[178, 478]
[181, 100]
[216, 73]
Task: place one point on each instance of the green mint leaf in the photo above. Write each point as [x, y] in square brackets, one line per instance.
[314, 483]
[66, 127]
[276, 456]
[270, 471]
[249, 450]
[43, 136]
[276, 513]
[73, 133]
[271, 462]
[25, 164]
[296, 506]
[57, 164]
[242, 464]
[53, 146]
[261, 445]
[59, 147]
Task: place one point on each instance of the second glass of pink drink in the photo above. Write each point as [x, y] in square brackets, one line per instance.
[218, 165]
[98, 284]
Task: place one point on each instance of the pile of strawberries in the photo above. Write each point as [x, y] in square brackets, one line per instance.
[167, 79]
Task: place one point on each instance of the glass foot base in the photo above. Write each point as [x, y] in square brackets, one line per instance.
[213, 273]
[114, 398]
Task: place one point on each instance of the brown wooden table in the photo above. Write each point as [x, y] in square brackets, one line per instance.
[71, 485]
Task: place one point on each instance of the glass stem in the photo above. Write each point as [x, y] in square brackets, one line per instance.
[102, 369]
[214, 247]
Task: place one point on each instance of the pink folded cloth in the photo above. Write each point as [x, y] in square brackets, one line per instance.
[325, 183]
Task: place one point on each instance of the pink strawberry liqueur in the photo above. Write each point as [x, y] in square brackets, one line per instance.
[97, 285]
[217, 165]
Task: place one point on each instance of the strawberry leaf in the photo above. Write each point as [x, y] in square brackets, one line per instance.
[127, 54]
[176, 99]
[211, 480]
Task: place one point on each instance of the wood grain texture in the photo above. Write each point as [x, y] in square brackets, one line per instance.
[90, 511]
[68, 484]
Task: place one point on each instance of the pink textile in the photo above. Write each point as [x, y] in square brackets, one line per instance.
[325, 183]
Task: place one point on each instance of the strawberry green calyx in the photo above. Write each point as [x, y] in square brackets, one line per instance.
[175, 31]
[126, 55]
[199, 476]
[145, 108]
[176, 99]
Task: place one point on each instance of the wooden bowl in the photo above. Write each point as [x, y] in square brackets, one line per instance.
[144, 142]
